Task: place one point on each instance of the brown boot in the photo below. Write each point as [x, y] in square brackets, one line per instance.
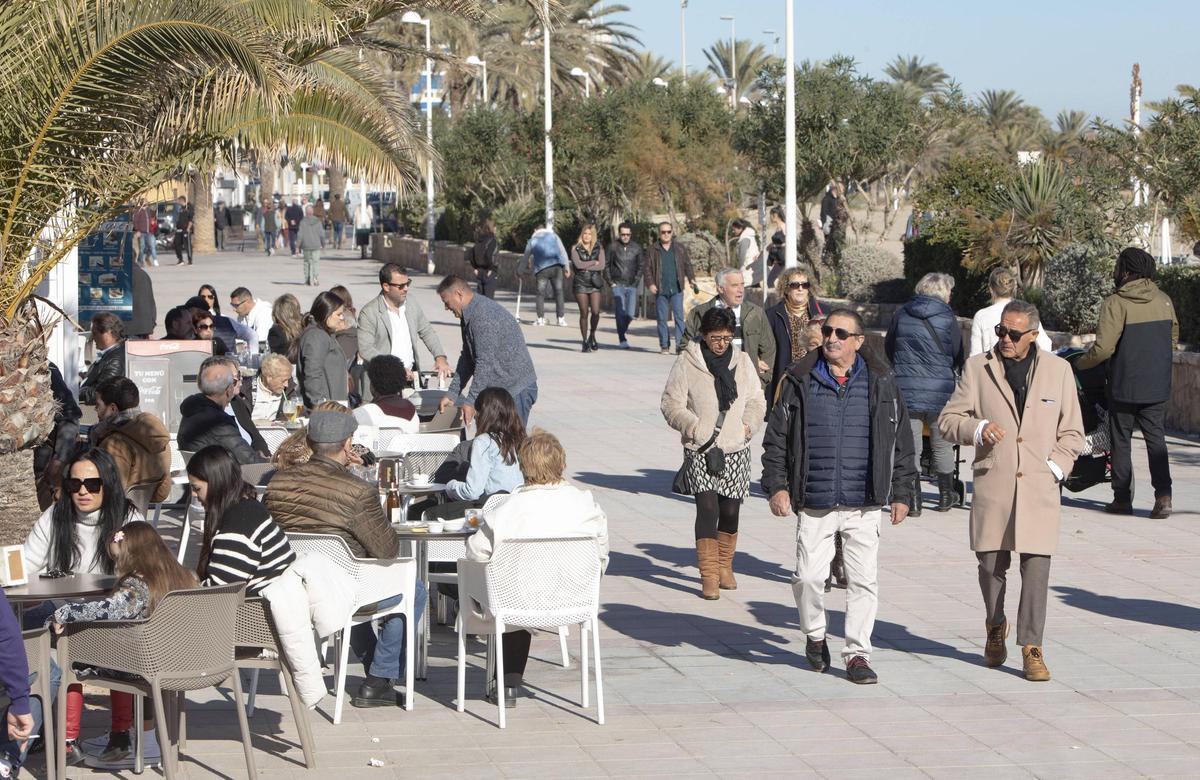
[726, 545]
[1035, 664]
[995, 652]
[708, 561]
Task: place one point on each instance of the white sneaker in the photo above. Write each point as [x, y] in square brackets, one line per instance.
[540, 321]
[562, 322]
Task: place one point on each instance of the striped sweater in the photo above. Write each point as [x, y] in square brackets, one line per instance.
[249, 548]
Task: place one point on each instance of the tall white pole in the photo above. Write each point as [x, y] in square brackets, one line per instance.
[429, 139]
[789, 135]
[733, 94]
[547, 99]
[683, 37]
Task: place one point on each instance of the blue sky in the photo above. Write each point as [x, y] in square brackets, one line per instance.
[1056, 54]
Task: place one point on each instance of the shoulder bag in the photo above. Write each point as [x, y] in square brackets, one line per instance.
[714, 458]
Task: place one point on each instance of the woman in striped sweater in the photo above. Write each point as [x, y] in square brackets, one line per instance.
[241, 541]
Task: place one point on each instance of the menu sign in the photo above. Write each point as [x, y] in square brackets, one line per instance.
[106, 270]
[165, 372]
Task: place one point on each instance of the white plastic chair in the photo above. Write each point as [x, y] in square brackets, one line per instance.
[532, 583]
[273, 435]
[375, 579]
[394, 441]
[186, 531]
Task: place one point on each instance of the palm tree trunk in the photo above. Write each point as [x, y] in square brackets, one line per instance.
[19, 508]
[337, 182]
[200, 196]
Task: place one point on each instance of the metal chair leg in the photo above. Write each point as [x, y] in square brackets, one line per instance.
[303, 727]
[244, 724]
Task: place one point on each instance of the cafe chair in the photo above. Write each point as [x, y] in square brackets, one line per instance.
[185, 530]
[37, 654]
[273, 435]
[393, 441]
[186, 645]
[258, 648]
[139, 494]
[448, 419]
[535, 584]
[375, 579]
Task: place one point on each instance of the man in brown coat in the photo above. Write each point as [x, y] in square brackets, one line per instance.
[1017, 405]
[138, 441]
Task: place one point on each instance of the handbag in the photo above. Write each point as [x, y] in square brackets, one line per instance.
[680, 485]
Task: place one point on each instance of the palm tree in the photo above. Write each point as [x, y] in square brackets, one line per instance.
[925, 78]
[1013, 125]
[750, 60]
[649, 66]
[1067, 136]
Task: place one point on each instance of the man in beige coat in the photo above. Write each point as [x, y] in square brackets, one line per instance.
[1018, 406]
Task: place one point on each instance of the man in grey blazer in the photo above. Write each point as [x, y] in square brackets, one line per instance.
[389, 325]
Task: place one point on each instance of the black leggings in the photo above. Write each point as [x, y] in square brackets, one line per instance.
[588, 301]
[714, 513]
[515, 647]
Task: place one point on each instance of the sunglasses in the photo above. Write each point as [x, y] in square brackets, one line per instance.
[207, 297]
[665, 232]
[398, 285]
[207, 326]
[799, 285]
[93, 484]
[1012, 335]
[841, 333]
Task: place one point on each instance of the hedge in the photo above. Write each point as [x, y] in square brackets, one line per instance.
[1182, 283]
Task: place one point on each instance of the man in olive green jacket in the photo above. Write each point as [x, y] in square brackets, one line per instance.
[1137, 334]
[753, 334]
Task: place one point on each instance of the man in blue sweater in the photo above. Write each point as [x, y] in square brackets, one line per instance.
[19, 721]
[837, 449]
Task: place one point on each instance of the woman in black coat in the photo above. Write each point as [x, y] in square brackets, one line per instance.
[798, 305]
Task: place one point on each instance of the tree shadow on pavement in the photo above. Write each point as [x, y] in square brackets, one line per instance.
[744, 564]
[683, 629]
[654, 482]
[1155, 613]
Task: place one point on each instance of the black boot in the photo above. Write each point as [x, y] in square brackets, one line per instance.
[915, 511]
[947, 498]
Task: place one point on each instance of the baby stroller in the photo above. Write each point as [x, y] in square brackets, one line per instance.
[1094, 464]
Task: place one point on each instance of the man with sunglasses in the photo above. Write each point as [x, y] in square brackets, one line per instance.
[623, 271]
[668, 267]
[837, 449]
[1018, 407]
[108, 335]
[390, 324]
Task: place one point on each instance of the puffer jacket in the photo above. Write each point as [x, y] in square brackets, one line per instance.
[313, 594]
[1137, 333]
[322, 497]
[204, 423]
[140, 445]
[689, 402]
[925, 369]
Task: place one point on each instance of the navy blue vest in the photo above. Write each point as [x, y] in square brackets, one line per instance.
[839, 438]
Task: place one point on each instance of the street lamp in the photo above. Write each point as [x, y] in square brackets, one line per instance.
[683, 38]
[412, 17]
[789, 136]
[587, 80]
[659, 82]
[482, 64]
[732, 60]
[775, 44]
[547, 99]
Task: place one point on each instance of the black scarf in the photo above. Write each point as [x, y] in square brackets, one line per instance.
[1016, 371]
[721, 367]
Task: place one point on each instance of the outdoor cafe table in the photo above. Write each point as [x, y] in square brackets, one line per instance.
[72, 586]
[420, 541]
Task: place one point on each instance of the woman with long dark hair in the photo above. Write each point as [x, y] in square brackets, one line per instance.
[241, 542]
[498, 435]
[284, 336]
[715, 400]
[322, 364]
[72, 535]
[209, 294]
[588, 262]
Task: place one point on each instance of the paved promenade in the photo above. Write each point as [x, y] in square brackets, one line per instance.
[721, 688]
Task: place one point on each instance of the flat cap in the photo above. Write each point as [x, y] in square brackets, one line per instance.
[331, 427]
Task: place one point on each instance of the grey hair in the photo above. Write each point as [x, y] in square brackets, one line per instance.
[724, 272]
[308, 209]
[273, 362]
[1025, 309]
[936, 285]
[210, 384]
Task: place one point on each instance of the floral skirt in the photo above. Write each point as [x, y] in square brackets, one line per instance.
[733, 483]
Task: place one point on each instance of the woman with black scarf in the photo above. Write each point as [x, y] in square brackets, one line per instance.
[714, 399]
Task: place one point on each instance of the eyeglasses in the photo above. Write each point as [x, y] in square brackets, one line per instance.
[93, 485]
[1012, 335]
[399, 285]
[841, 333]
[719, 339]
[799, 285]
[241, 303]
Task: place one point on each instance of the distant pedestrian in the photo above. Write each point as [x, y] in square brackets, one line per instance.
[1137, 334]
[714, 399]
[222, 220]
[746, 253]
[668, 267]
[270, 223]
[311, 242]
[623, 271]
[588, 264]
[144, 222]
[546, 258]
[1002, 284]
[789, 319]
[483, 257]
[834, 218]
[339, 217]
[494, 353]
[185, 218]
[293, 215]
[776, 261]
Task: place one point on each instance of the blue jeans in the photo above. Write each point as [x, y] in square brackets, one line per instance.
[337, 233]
[661, 304]
[550, 279]
[383, 656]
[525, 399]
[9, 748]
[625, 301]
[148, 247]
[268, 240]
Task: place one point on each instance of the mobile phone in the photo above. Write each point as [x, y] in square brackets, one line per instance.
[53, 574]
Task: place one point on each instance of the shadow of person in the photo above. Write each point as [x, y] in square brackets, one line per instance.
[743, 563]
[1155, 613]
[656, 482]
[684, 629]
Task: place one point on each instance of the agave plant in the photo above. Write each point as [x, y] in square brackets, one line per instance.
[1032, 203]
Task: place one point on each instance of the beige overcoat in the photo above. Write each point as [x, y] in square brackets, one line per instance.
[1016, 503]
[689, 401]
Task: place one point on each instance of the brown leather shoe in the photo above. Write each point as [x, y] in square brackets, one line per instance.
[726, 546]
[708, 561]
[1035, 664]
[1162, 508]
[995, 651]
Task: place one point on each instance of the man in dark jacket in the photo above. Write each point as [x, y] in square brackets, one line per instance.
[321, 496]
[108, 334]
[185, 217]
[1137, 334]
[668, 266]
[221, 220]
[206, 417]
[483, 258]
[623, 271]
[837, 448]
[293, 215]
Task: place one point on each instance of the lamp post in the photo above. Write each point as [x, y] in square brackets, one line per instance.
[547, 99]
[587, 80]
[482, 65]
[683, 38]
[733, 89]
[412, 17]
[789, 136]
[775, 43]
